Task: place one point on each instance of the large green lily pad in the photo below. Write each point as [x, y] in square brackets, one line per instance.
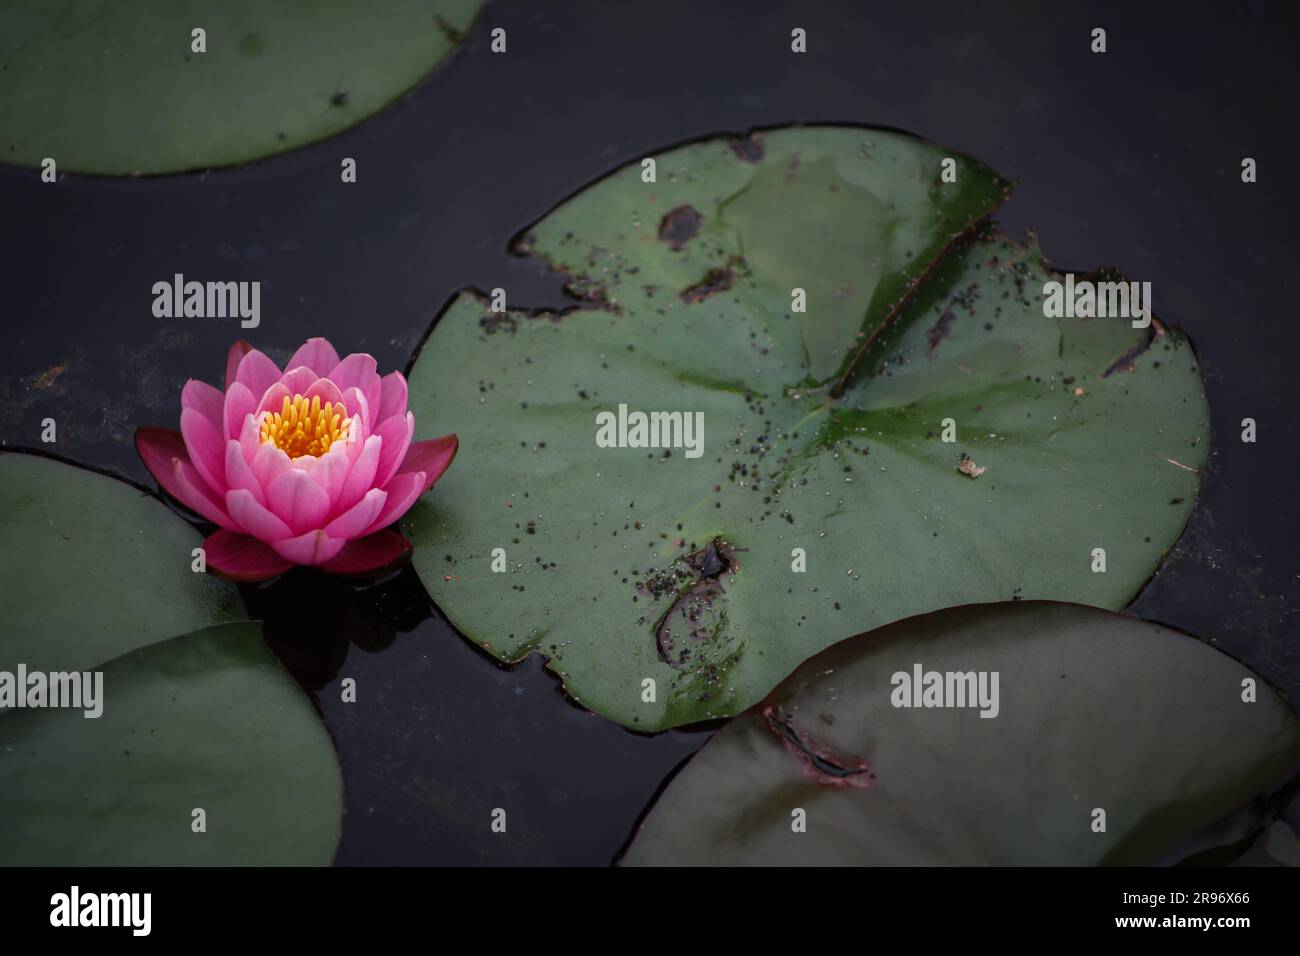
[206, 721]
[92, 567]
[634, 565]
[1095, 712]
[115, 87]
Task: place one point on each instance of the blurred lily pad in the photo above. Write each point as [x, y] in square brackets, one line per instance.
[206, 722]
[668, 585]
[96, 577]
[117, 87]
[92, 567]
[1096, 713]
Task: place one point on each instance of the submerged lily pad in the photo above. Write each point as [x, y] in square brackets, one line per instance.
[1095, 712]
[92, 567]
[209, 721]
[117, 88]
[664, 588]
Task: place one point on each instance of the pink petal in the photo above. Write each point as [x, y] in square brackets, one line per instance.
[157, 447]
[358, 370]
[392, 395]
[239, 404]
[268, 462]
[359, 517]
[205, 399]
[328, 392]
[432, 456]
[273, 399]
[255, 519]
[373, 555]
[298, 380]
[358, 407]
[330, 470]
[250, 434]
[239, 474]
[194, 494]
[396, 433]
[298, 501]
[237, 557]
[314, 547]
[318, 355]
[163, 452]
[373, 390]
[206, 448]
[361, 476]
[257, 372]
[402, 492]
[233, 358]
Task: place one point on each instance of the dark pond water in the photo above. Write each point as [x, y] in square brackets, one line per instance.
[1130, 158]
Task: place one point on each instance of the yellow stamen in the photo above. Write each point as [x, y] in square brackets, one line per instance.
[303, 427]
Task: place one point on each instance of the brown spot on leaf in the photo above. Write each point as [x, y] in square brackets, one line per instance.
[748, 148]
[715, 280]
[791, 169]
[494, 322]
[697, 580]
[939, 331]
[679, 226]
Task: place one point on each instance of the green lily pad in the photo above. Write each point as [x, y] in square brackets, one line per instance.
[1096, 712]
[662, 587]
[96, 575]
[115, 87]
[208, 721]
[92, 567]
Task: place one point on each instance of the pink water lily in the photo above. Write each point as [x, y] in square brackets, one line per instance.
[304, 466]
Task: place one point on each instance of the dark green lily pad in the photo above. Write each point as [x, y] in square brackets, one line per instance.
[95, 575]
[92, 567]
[1096, 712]
[116, 88]
[206, 721]
[636, 565]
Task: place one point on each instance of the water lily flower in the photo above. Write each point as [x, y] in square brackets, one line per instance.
[307, 466]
